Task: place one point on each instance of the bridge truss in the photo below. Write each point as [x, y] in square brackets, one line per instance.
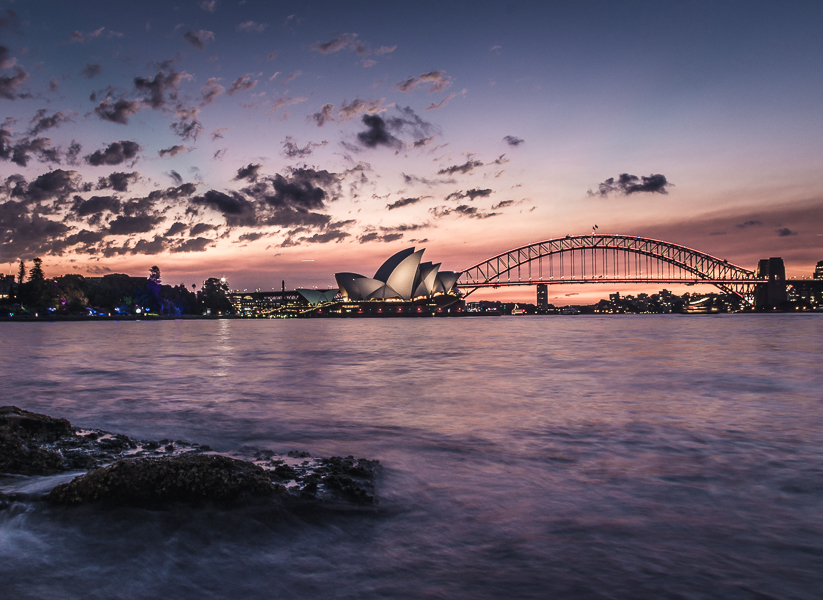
[603, 259]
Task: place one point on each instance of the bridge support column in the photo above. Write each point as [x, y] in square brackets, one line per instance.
[772, 294]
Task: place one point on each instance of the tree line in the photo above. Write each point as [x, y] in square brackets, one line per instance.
[115, 294]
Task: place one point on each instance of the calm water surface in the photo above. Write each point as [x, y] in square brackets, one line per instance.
[524, 457]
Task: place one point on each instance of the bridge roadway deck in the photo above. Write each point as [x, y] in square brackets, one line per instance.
[611, 280]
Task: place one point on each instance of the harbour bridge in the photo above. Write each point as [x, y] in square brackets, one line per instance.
[603, 258]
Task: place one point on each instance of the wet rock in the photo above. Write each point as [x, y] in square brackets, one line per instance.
[189, 478]
[22, 437]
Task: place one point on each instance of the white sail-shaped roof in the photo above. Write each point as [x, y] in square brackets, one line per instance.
[390, 265]
[402, 277]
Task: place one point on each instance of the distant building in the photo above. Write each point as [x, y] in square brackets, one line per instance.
[542, 298]
[8, 287]
[818, 271]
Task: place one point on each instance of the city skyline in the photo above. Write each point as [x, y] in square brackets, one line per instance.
[266, 143]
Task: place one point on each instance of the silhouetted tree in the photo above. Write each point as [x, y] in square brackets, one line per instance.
[215, 295]
[21, 273]
[36, 273]
[154, 286]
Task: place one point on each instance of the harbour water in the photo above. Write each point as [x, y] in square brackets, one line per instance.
[534, 457]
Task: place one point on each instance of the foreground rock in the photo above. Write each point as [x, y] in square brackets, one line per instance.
[189, 478]
[125, 471]
[25, 440]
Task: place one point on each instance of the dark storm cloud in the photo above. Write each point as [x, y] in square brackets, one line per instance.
[471, 194]
[377, 134]
[192, 245]
[461, 211]
[117, 111]
[91, 71]
[140, 223]
[117, 181]
[54, 184]
[161, 89]
[403, 202]
[198, 39]
[201, 228]
[173, 193]
[176, 228]
[24, 235]
[242, 84]
[299, 191]
[438, 81]
[235, 208]
[10, 84]
[249, 172]
[630, 184]
[42, 122]
[785, 232]
[324, 115]
[173, 151]
[292, 150]
[95, 205]
[513, 141]
[466, 167]
[116, 153]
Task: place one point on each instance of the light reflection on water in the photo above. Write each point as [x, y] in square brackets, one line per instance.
[614, 457]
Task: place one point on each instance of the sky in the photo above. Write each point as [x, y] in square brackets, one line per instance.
[286, 141]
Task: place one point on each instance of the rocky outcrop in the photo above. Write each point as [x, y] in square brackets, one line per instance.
[25, 440]
[125, 471]
[189, 478]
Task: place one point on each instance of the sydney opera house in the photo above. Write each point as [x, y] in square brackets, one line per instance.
[401, 278]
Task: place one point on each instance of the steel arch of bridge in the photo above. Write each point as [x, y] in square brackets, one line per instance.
[601, 254]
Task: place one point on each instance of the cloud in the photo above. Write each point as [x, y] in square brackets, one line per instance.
[376, 134]
[785, 232]
[291, 77]
[324, 115]
[199, 228]
[369, 63]
[114, 154]
[198, 244]
[19, 153]
[117, 181]
[408, 121]
[91, 70]
[384, 50]
[211, 91]
[470, 194]
[187, 127]
[175, 176]
[10, 84]
[95, 205]
[304, 189]
[242, 84]
[43, 122]
[292, 150]
[161, 89]
[442, 103]
[118, 111]
[198, 39]
[513, 141]
[9, 20]
[357, 107]
[173, 151]
[403, 202]
[438, 81]
[248, 172]
[751, 223]
[209, 5]
[461, 211]
[54, 184]
[339, 43]
[236, 209]
[500, 160]
[466, 167]
[630, 184]
[503, 204]
[252, 26]
[142, 223]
